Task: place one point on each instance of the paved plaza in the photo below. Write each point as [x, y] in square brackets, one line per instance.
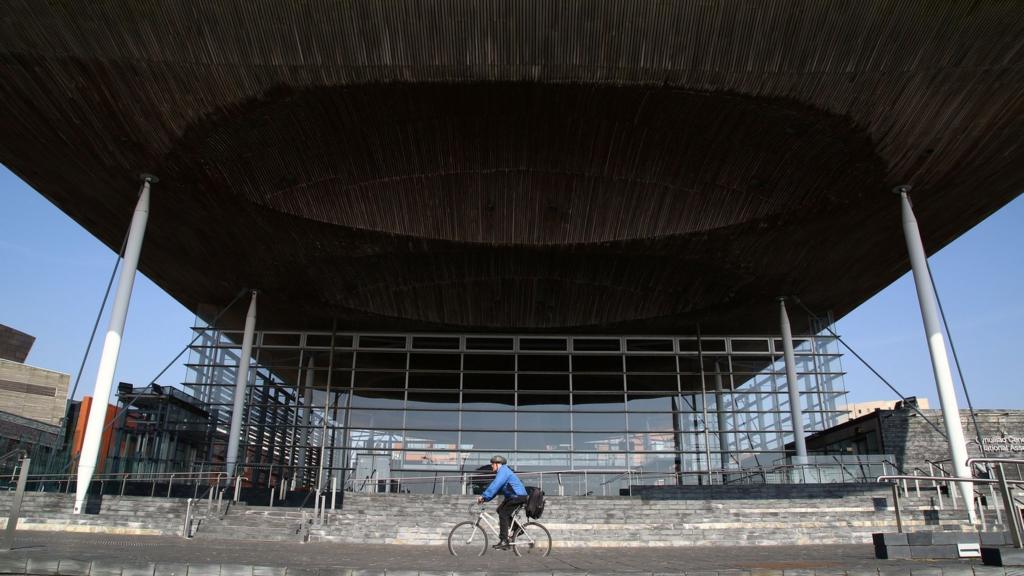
[107, 555]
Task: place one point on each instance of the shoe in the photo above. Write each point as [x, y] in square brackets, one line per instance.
[503, 545]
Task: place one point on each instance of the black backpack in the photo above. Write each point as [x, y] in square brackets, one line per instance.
[534, 502]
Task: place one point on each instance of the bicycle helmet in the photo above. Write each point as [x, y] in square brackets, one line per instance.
[498, 459]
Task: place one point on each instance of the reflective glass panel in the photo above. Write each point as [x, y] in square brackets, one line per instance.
[543, 441]
[598, 421]
[431, 420]
[542, 421]
[543, 382]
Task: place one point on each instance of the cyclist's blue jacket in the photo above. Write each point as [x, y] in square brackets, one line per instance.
[506, 481]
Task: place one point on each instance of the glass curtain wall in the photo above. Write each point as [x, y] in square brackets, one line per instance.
[393, 406]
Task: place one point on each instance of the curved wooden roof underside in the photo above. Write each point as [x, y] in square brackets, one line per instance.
[537, 165]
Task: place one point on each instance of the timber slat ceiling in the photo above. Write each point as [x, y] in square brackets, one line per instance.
[602, 165]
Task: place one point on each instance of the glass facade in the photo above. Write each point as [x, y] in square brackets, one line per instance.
[417, 405]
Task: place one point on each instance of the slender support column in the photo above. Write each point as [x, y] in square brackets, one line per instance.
[307, 413]
[937, 349]
[111, 348]
[795, 408]
[723, 436]
[241, 381]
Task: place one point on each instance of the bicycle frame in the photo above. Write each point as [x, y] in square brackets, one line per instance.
[513, 528]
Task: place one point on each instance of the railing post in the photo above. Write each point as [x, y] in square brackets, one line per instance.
[1012, 515]
[124, 480]
[917, 485]
[19, 494]
[896, 506]
[238, 488]
[995, 502]
[186, 531]
[334, 491]
[170, 483]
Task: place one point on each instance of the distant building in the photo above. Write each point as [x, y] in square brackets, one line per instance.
[32, 400]
[858, 409]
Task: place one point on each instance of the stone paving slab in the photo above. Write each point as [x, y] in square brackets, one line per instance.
[76, 554]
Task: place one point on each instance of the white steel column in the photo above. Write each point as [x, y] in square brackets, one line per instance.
[241, 381]
[795, 408]
[937, 349]
[111, 348]
[307, 413]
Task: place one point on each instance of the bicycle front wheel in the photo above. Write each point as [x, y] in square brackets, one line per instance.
[532, 539]
[467, 539]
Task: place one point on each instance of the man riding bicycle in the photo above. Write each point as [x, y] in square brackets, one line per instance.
[506, 481]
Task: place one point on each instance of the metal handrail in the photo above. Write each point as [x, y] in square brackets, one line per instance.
[124, 477]
[357, 484]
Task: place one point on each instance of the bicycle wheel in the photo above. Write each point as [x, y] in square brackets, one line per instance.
[467, 539]
[533, 539]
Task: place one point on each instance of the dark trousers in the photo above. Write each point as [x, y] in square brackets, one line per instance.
[505, 510]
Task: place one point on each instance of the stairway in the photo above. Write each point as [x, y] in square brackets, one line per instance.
[678, 516]
[654, 516]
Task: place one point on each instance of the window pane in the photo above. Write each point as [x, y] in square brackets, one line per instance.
[648, 345]
[527, 461]
[599, 441]
[434, 380]
[651, 422]
[380, 380]
[543, 344]
[586, 363]
[601, 382]
[489, 362]
[597, 421]
[376, 419]
[543, 363]
[749, 345]
[712, 344]
[376, 439]
[689, 364]
[652, 383]
[433, 400]
[600, 460]
[544, 402]
[386, 360]
[598, 403]
[435, 343]
[481, 401]
[541, 421]
[488, 421]
[497, 441]
[431, 440]
[596, 344]
[421, 361]
[382, 341]
[751, 364]
[383, 399]
[543, 441]
[494, 382]
[431, 420]
[641, 403]
[497, 343]
[650, 363]
[543, 381]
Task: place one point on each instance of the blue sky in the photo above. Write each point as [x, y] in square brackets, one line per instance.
[55, 274]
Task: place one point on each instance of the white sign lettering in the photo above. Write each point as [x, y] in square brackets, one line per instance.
[1003, 444]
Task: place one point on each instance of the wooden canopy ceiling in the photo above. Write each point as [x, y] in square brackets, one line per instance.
[535, 165]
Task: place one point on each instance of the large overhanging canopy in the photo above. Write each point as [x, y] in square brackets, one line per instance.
[537, 165]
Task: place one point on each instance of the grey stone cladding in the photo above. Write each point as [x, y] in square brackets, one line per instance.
[914, 442]
[116, 514]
